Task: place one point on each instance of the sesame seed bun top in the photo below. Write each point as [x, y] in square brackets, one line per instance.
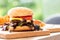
[20, 11]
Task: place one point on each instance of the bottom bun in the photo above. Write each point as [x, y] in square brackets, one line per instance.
[21, 28]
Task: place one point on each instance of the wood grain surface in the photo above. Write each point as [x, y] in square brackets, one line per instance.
[6, 34]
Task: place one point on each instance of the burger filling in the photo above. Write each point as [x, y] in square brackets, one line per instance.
[15, 22]
[28, 17]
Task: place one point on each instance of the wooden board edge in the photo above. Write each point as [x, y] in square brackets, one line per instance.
[54, 30]
[26, 34]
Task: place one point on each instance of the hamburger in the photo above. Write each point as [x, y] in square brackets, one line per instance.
[21, 19]
[20, 12]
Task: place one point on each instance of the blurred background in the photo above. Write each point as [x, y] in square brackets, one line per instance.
[41, 8]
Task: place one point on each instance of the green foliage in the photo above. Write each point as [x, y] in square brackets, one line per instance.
[35, 5]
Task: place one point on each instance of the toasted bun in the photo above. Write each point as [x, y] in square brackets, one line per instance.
[19, 28]
[20, 11]
[40, 23]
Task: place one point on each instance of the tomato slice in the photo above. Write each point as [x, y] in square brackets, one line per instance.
[28, 17]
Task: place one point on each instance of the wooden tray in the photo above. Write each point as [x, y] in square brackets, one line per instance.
[52, 27]
[54, 30]
[6, 34]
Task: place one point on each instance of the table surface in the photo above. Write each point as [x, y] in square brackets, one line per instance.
[47, 37]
